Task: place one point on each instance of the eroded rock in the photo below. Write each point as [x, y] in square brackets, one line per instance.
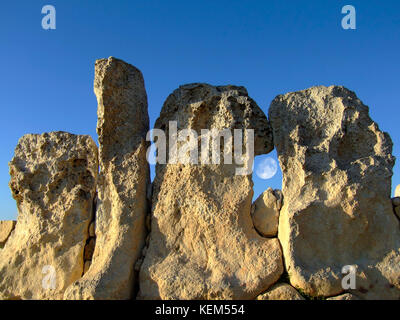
[89, 249]
[6, 227]
[265, 212]
[396, 206]
[91, 230]
[346, 296]
[203, 244]
[397, 212]
[281, 291]
[396, 202]
[53, 180]
[120, 217]
[87, 266]
[337, 168]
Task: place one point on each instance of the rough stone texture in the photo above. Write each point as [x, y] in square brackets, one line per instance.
[92, 230]
[89, 249]
[337, 168]
[396, 206]
[281, 291]
[346, 296]
[6, 227]
[87, 266]
[397, 212]
[203, 244]
[53, 180]
[265, 212]
[397, 191]
[396, 201]
[120, 218]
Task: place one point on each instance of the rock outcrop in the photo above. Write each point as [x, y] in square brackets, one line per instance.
[265, 212]
[203, 244]
[6, 227]
[346, 296]
[281, 291]
[53, 180]
[120, 231]
[337, 168]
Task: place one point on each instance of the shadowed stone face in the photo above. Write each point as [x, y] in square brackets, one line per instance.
[6, 227]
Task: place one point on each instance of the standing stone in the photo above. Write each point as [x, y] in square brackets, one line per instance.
[281, 291]
[265, 212]
[124, 175]
[203, 244]
[6, 227]
[337, 169]
[53, 180]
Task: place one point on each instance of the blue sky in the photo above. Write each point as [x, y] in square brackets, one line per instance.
[270, 47]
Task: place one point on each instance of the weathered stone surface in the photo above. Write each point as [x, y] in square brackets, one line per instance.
[346, 296]
[91, 230]
[87, 266]
[203, 244]
[89, 249]
[396, 206]
[397, 212]
[53, 180]
[281, 291]
[265, 212]
[120, 218]
[397, 191]
[337, 167]
[6, 227]
[396, 201]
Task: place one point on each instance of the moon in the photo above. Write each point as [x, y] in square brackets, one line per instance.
[267, 168]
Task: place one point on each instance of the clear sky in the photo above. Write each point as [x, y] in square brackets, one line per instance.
[270, 47]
